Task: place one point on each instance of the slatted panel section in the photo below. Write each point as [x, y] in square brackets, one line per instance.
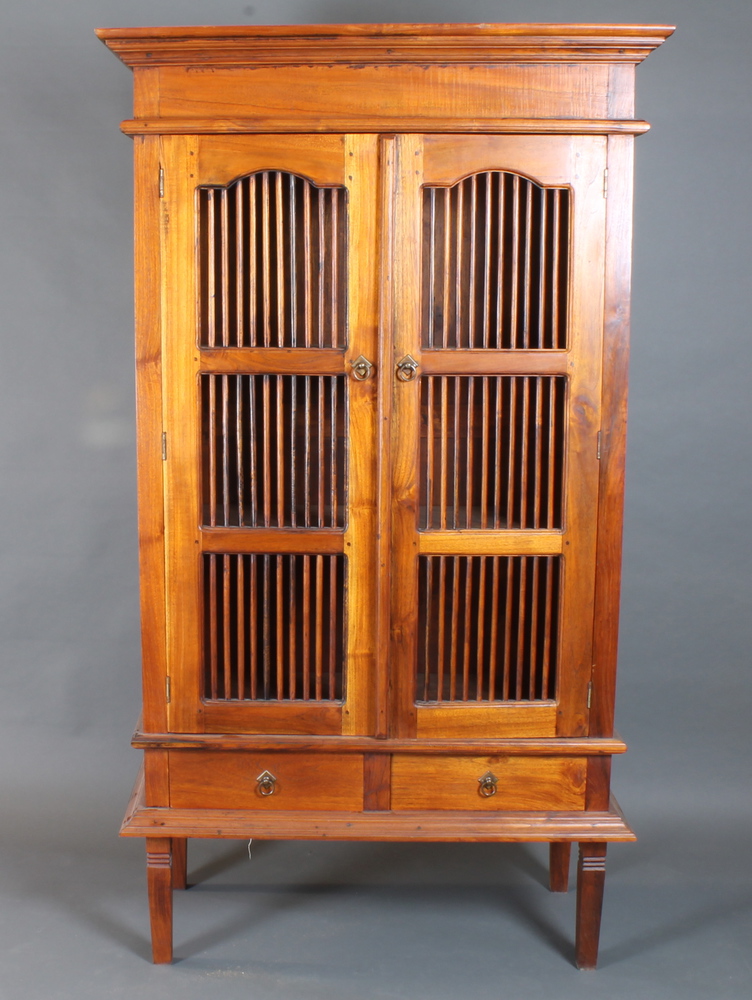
[274, 627]
[488, 628]
[274, 450]
[495, 264]
[273, 263]
[492, 452]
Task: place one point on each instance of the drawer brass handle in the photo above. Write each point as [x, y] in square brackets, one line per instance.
[266, 783]
[361, 369]
[407, 368]
[487, 783]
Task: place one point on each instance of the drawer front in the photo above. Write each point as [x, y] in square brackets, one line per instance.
[528, 784]
[230, 780]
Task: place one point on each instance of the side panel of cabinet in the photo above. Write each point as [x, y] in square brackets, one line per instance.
[270, 296]
[495, 448]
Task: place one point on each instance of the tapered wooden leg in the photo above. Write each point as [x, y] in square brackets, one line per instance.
[159, 878]
[591, 878]
[558, 869]
[179, 862]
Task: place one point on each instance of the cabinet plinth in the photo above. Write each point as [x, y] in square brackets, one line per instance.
[382, 305]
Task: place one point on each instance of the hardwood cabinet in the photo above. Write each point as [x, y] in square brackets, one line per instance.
[382, 312]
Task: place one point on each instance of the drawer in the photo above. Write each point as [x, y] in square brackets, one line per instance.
[219, 779]
[529, 784]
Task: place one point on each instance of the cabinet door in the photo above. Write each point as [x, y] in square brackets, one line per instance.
[494, 451]
[269, 299]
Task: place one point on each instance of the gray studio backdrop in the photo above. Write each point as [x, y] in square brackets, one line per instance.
[69, 634]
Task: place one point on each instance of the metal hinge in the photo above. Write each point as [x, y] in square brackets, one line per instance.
[605, 183]
[161, 182]
[598, 447]
[589, 693]
[168, 689]
[164, 446]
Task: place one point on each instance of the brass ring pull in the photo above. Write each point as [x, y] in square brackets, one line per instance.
[361, 368]
[487, 783]
[407, 368]
[266, 783]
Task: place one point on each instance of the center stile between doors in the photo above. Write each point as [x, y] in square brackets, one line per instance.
[378, 519]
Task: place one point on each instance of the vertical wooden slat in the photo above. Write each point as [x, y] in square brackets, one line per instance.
[431, 291]
[320, 265]
[459, 260]
[293, 450]
[265, 261]
[456, 461]
[555, 269]
[533, 658]
[279, 451]
[524, 448]
[467, 563]
[321, 453]
[447, 267]
[332, 626]
[254, 616]
[240, 616]
[521, 626]
[334, 338]
[428, 387]
[306, 637]
[252, 271]
[527, 236]
[239, 264]
[428, 607]
[501, 339]
[280, 258]
[213, 665]
[266, 625]
[224, 235]
[493, 641]
[547, 625]
[266, 433]
[280, 622]
[471, 286]
[292, 288]
[455, 628]
[538, 454]
[239, 448]
[252, 439]
[543, 340]
[513, 384]
[508, 622]
[515, 241]
[484, 449]
[444, 474]
[319, 627]
[308, 262]
[292, 645]
[470, 450]
[441, 629]
[487, 264]
[225, 393]
[480, 629]
[498, 450]
[211, 265]
[333, 387]
[226, 642]
[552, 431]
[307, 452]
[212, 450]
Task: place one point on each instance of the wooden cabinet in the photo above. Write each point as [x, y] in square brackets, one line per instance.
[382, 313]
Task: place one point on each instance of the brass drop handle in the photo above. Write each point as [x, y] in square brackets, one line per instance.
[487, 783]
[407, 369]
[266, 783]
[361, 368]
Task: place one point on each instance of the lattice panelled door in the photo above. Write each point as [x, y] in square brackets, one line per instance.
[495, 459]
[270, 488]
[486, 360]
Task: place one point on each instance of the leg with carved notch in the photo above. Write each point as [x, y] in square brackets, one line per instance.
[559, 854]
[179, 862]
[159, 877]
[591, 877]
